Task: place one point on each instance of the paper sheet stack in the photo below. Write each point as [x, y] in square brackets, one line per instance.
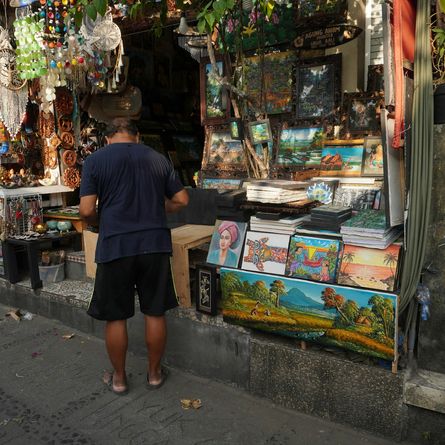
[276, 192]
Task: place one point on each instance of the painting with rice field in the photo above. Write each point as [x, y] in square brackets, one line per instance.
[300, 146]
[342, 161]
[370, 268]
[313, 258]
[265, 252]
[268, 81]
[360, 320]
[221, 151]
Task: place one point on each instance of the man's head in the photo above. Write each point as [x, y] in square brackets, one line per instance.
[121, 129]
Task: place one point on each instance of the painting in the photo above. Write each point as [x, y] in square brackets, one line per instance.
[260, 131]
[300, 146]
[356, 197]
[206, 291]
[267, 80]
[236, 129]
[359, 320]
[321, 11]
[221, 151]
[363, 113]
[342, 161]
[221, 183]
[370, 268]
[188, 147]
[227, 243]
[265, 252]
[313, 258]
[318, 87]
[375, 79]
[322, 190]
[215, 104]
[373, 157]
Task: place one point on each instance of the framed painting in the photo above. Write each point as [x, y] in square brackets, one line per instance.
[299, 147]
[356, 197]
[188, 147]
[221, 183]
[318, 87]
[313, 258]
[341, 161]
[363, 321]
[373, 157]
[321, 11]
[369, 268]
[362, 113]
[221, 151]
[265, 252]
[236, 129]
[376, 79]
[215, 104]
[227, 243]
[206, 290]
[267, 80]
[260, 132]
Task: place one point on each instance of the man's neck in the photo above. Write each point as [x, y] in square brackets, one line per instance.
[120, 138]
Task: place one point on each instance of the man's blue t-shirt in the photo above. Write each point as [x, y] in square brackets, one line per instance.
[131, 181]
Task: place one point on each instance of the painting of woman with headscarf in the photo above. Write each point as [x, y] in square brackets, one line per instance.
[227, 241]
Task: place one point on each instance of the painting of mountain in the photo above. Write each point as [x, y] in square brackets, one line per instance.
[360, 320]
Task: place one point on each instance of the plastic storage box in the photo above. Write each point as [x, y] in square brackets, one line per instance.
[52, 274]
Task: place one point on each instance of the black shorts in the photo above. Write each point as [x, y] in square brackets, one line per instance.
[114, 288]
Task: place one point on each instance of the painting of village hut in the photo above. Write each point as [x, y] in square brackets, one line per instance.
[360, 320]
[301, 146]
[313, 258]
[222, 149]
[342, 161]
[265, 252]
[370, 268]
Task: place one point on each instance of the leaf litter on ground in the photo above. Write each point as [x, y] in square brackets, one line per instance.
[191, 403]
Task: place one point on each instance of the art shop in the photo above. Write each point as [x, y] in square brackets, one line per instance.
[292, 127]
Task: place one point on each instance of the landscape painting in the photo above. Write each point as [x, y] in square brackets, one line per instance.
[342, 161]
[370, 268]
[265, 252]
[221, 149]
[268, 81]
[360, 320]
[221, 183]
[313, 258]
[300, 146]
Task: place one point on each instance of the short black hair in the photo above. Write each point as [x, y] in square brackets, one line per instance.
[121, 125]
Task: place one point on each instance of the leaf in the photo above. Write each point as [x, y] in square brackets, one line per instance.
[68, 336]
[210, 19]
[219, 7]
[101, 6]
[442, 5]
[91, 11]
[230, 4]
[202, 26]
[191, 403]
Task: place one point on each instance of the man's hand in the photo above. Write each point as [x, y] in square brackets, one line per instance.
[87, 210]
[177, 202]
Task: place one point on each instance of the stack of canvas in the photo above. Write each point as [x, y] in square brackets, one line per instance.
[328, 217]
[285, 226]
[276, 192]
[369, 229]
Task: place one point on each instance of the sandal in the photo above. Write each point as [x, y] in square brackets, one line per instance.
[164, 375]
[108, 380]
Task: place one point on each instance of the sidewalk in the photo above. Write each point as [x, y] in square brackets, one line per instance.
[51, 393]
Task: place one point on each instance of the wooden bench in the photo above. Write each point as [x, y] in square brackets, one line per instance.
[185, 238]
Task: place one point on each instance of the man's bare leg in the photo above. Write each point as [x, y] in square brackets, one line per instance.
[116, 340]
[155, 339]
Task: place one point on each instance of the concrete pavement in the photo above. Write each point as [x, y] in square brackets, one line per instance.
[51, 393]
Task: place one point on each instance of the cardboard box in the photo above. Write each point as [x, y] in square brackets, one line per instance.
[90, 241]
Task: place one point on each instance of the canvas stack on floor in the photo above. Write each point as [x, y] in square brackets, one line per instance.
[276, 192]
[328, 217]
[286, 225]
[369, 229]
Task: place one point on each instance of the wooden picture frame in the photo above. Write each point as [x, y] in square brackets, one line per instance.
[236, 128]
[373, 157]
[221, 152]
[260, 132]
[206, 294]
[362, 113]
[215, 103]
[318, 88]
[341, 160]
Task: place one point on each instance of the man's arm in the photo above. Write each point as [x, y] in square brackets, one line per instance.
[87, 210]
[177, 202]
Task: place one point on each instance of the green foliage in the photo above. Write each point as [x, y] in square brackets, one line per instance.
[212, 14]
[383, 310]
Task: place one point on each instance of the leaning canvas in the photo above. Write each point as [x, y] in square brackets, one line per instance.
[370, 268]
[265, 252]
[360, 320]
[313, 258]
[227, 243]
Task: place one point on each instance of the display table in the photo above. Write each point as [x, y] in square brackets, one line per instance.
[185, 238]
[75, 220]
[32, 249]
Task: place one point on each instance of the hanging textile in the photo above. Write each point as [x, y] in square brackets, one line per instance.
[421, 168]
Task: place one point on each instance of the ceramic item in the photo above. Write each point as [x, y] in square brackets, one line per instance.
[52, 224]
[64, 226]
[40, 228]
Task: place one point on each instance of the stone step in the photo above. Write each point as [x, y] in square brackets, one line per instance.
[426, 389]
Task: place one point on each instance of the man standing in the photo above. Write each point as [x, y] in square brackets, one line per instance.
[135, 186]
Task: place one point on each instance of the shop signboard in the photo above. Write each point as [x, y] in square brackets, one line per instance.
[327, 37]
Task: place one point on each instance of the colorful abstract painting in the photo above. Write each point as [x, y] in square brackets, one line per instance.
[360, 320]
[313, 258]
[342, 161]
[370, 268]
[300, 146]
[265, 252]
[227, 243]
